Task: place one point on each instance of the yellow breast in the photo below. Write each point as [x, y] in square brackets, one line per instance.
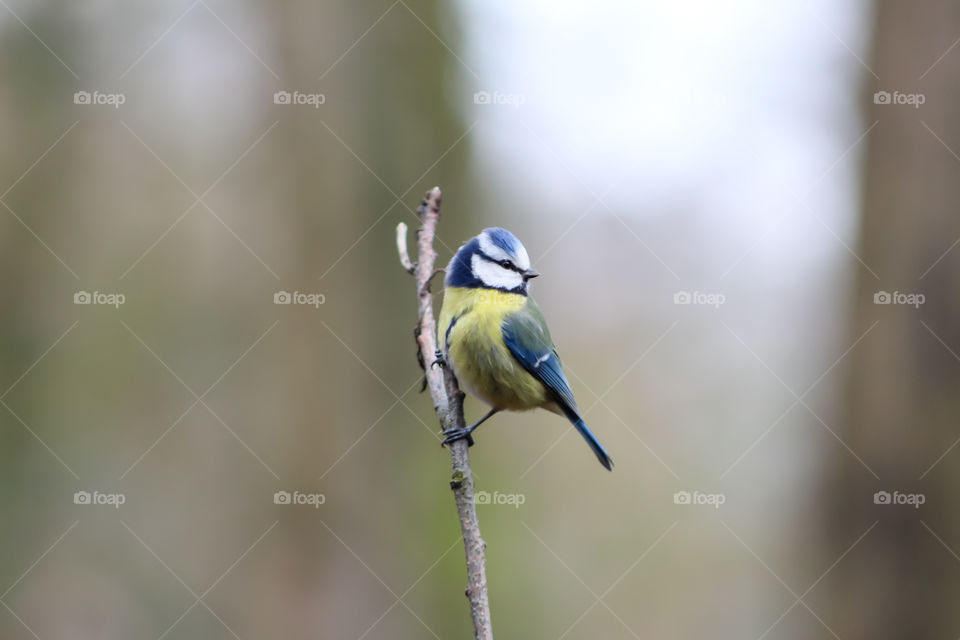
[471, 335]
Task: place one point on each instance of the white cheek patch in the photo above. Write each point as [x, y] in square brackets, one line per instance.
[493, 275]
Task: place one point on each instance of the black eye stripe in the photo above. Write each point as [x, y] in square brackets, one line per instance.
[506, 264]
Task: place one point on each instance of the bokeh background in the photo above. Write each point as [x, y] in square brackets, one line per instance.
[746, 217]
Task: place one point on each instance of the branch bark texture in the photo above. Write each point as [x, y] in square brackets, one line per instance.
[448, 403]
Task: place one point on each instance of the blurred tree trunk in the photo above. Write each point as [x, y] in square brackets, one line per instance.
[386, 131]
[27, 270]
[902, 405]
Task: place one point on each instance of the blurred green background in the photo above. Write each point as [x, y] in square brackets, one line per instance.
[745, 216]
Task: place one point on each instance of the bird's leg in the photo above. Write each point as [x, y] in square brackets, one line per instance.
[464, 434]
[439, 359]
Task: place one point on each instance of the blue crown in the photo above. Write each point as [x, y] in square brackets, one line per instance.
[503, 239]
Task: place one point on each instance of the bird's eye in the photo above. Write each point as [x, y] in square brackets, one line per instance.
[506, 264]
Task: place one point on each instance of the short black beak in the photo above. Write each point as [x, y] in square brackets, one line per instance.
[530, 273]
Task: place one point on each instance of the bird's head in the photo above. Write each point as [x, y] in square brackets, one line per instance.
[495, 259]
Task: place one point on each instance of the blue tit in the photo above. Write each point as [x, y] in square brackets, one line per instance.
[493, 336]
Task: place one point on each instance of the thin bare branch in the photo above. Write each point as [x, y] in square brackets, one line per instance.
[448, 403]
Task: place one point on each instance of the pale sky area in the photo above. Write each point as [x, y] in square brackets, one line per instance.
[727, 137]
[735, 108]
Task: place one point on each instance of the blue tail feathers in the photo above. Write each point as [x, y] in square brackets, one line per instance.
[591, 439]
[598, 449]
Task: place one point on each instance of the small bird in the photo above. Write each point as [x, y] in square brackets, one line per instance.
[496, 340]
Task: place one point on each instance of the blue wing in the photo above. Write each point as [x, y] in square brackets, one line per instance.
[527, 338]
